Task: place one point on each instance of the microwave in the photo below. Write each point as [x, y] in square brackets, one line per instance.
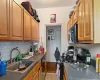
[73, 34]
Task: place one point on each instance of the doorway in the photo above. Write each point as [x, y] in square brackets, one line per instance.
[53, 40]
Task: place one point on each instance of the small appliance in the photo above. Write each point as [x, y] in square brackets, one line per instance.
[83, 55]
[73, 34]
[70, 54]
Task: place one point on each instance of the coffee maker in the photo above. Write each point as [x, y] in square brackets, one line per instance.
[70, 54]
[83, 55]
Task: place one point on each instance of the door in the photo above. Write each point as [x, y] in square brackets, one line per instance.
[80, 21]
[87, 19]
[16, 21]
[27, 26]
[53, 40]
[4, 19]
[36, 77]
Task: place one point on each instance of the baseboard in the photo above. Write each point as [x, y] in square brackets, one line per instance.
[51, 67]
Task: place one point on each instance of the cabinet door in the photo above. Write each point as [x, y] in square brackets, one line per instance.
[65, 75]
[80, 21]
[27, 26]
[87, 21]
[34, 30]
[38, 36]
[40, 74]
[36, 77]
[4, 19]
[16, 21]
[29, 77]
[75, 16]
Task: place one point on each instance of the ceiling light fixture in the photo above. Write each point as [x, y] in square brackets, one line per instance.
[48, 1]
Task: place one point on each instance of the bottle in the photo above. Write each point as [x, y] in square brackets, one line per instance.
[3, 66]
[88, 57]
[99, 66]
[31, 51]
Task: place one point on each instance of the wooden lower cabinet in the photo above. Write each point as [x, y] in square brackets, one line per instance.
[40, 74]
[36, 77]
[65, 75]
[35, 73]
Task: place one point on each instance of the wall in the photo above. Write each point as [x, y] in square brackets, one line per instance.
[94, 49]
[19, 1]
[62, 18]
[5, 48]
[62, 14]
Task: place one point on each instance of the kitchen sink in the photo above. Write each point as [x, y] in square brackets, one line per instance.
[20, 66]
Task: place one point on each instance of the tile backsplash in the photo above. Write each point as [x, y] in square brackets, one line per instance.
[6, 47]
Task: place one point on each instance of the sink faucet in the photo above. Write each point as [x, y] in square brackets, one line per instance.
[11, 59]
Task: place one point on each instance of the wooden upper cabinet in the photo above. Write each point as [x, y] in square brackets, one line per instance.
[27, 26]
[16, 21]
[68, 25]
[35, 30]
[4, 19]
[75, 15]
[38, 34]
[80, 21]
[87, 20]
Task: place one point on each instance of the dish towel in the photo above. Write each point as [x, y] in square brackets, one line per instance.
[58, 72]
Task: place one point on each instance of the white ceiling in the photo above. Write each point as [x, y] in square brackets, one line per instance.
[51, 3]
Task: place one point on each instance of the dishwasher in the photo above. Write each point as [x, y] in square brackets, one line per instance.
[44, 67]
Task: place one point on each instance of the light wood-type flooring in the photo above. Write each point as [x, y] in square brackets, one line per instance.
[51, 76]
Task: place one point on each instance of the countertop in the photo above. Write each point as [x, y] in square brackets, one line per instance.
[87, 74]
[21, 76]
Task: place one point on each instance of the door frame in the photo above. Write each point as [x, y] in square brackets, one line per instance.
[61, 33]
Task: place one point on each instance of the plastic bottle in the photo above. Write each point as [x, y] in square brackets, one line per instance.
[88, 58]
[3, 66]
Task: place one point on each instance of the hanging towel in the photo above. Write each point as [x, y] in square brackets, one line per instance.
[58, 72]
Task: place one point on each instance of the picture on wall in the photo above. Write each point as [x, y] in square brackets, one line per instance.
[53, 18]
[50, 31]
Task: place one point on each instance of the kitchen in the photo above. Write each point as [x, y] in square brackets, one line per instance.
[22, 36]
